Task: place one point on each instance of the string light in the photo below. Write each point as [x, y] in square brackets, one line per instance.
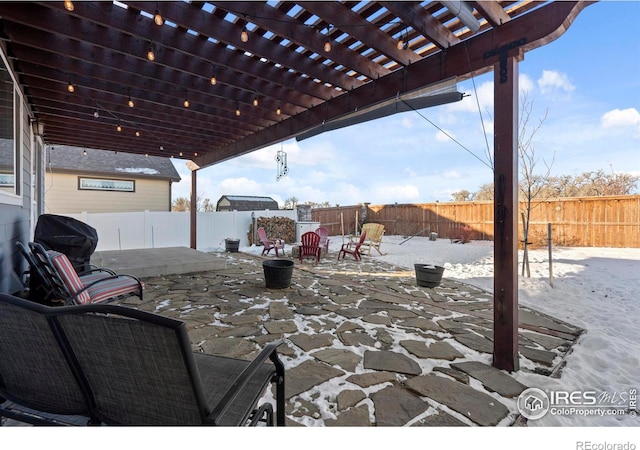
[157, 18]
[137, 133]
[96, 114]
[118, 128]
[244, 36]
[71, 88]
[278, 111]
[151, 56]
[327, 44]
[130, 102]
[255, 101]
[237, 109]
[186, 103]
[68, 5]
[214, 80]
[84, 152]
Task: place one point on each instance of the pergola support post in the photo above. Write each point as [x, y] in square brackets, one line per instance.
[505, 284]
[193, 210]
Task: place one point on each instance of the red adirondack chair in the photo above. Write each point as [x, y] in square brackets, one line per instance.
[353, 248]
[310, 246]
[276, 244]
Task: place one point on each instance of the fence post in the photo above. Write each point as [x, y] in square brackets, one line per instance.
[550, 255]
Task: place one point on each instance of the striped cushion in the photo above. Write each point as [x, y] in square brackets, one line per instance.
[94, 276]
[69, 276]
[114, 287]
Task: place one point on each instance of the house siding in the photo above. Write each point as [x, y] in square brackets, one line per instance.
[15, 220]
[62, 196]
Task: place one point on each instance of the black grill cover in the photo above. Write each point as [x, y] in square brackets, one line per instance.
[67, 235]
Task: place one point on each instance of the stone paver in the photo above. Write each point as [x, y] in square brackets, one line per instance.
[475, 405]
[395, 406]
[391, 361]
[344, 325]
[493, 379]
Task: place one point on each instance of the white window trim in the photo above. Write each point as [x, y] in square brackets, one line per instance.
[5, 197]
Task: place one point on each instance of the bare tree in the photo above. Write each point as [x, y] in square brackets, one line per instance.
[182, 204]
[531, 183]
[291, 202]
[462, 196]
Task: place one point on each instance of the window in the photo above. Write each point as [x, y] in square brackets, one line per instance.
[99, 184]
[10, 129]
[7, 141]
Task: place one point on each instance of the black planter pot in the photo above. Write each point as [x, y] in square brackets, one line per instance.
[232, 245]
[428, 275]
[277, 273]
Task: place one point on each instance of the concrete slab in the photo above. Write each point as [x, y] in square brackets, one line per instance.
[153, 262]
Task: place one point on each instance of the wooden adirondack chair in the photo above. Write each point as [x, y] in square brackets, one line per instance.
[374, 232]
[310, 246]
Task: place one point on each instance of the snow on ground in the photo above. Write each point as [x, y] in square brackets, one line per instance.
[593, 288]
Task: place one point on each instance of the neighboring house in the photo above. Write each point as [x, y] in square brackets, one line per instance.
[245, 203]
[79, 180]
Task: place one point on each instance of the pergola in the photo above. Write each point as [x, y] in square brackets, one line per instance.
[210, 81]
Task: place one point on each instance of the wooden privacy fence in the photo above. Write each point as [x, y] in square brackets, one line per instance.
[612, 221]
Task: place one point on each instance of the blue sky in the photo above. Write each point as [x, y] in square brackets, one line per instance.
[588, 82]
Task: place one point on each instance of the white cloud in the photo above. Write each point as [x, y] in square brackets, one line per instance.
[525, 83]
[552, 82]
[621, 118]
[240, 186]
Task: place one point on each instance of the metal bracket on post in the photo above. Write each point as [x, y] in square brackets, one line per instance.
[503, 53]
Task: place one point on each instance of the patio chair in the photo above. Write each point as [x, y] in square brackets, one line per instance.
[324, 238]
[38, 386]
[353, 248]
[68, 286]
[309, 246]
[273, 243]
[116, 365]
[374, 231]
[41, 288]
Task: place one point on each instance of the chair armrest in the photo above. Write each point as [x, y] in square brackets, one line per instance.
[92, 269]
[270, 352]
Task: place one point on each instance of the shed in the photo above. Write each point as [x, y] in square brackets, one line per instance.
[245, 203]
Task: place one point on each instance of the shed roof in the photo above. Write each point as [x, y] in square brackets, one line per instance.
[248, 202]
[64, 158]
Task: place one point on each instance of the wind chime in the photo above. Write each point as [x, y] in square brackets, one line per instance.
[281, 159]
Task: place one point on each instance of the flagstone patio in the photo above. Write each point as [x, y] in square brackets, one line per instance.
[361, 343]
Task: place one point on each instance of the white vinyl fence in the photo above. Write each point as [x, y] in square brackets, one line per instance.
[129, 230]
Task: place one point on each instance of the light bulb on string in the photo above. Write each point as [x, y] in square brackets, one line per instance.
[157, 18]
